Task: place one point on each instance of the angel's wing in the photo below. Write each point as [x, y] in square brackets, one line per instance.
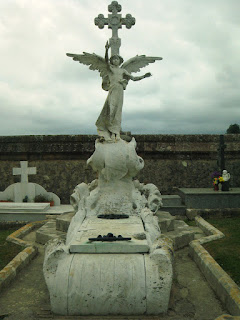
[136, 63]
[92, 60]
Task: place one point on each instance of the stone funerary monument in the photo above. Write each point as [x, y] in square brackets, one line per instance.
[114, 260]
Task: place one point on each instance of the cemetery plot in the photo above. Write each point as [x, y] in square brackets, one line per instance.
[226, 251]
[7, 250]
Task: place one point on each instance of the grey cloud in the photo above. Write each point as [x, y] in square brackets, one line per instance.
[194, 89]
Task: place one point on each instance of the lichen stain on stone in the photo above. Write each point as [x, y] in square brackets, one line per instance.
[5, 272]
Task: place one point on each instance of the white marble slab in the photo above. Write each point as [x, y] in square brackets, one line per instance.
[130, 246]
[15, 207]
[93, 226]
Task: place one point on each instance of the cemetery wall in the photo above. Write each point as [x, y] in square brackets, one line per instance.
[171, 161]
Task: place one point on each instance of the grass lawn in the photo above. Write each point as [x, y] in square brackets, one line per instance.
[226, 251]
[7, 250]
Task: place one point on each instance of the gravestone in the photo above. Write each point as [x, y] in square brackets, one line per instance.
[114, 260]
[25, 191]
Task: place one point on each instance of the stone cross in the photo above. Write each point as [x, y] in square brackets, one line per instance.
[24, 171]
[114, 22]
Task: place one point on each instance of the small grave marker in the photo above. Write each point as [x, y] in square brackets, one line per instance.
[24, 171]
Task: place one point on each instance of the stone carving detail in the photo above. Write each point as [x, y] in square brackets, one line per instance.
[114, 22]
[114, 192]
[129, 21]
[114, 7]
[100, 21]
[132, 276]
[115, 77]
[114, 72]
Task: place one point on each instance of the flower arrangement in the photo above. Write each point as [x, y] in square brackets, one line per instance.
[220, 179]
[215, 181]
[215, 176]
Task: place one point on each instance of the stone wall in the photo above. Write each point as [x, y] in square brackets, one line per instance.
[171, 161]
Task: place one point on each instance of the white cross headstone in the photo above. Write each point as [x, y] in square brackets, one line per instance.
[24, 171]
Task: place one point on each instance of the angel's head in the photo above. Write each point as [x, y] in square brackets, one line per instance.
[116, 60]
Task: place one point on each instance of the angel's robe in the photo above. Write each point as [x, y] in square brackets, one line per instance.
[109, 120]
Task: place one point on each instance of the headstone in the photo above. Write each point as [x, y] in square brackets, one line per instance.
[25, 191]
[114, 260]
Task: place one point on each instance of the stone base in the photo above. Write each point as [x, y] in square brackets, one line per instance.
[48, 232]
[104, 284]
[178, 231]
[207, 198]
[14, 207]
[213, 213]
[27, 211]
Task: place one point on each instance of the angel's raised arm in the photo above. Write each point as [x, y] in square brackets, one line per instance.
[106, 52]
[92, 60]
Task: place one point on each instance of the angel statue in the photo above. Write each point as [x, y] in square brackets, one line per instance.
[115, 75]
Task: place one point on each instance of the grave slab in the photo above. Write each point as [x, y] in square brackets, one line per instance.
[92, 227]
[30, 213]
[18, 207]
[207, 198]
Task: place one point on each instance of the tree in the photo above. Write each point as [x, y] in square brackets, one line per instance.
[233, 128]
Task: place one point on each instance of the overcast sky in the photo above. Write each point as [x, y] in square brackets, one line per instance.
[194, 89]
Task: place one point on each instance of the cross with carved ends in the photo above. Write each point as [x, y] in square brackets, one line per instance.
[24, 171]
[114, 22]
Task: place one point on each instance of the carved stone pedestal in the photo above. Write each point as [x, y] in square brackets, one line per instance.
[131, 276]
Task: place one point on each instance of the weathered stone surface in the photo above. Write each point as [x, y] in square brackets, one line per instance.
[92, 227]
[119, 288]
[206, 198]
[210, 213]
[106, 284]
[134, 276]
[116, 164]
[63, 222]
[171, 200]
[14, 207]
[166, 221]
[30, 215]
[48, 232]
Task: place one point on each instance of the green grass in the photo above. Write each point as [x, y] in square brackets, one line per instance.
[226, 251]
[7, 250]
